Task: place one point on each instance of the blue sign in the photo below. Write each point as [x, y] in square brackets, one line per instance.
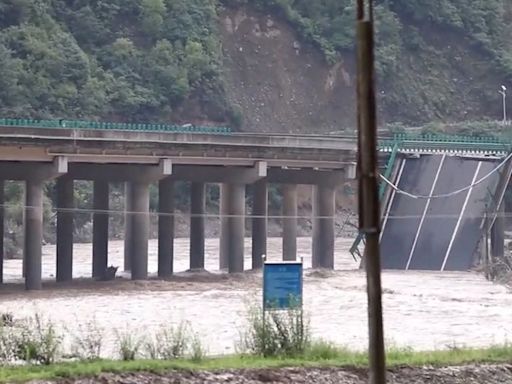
[282, 285]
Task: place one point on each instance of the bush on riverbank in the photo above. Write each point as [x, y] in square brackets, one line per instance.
[37, 341]
[276, 333]
[187, 352]
[33, 340]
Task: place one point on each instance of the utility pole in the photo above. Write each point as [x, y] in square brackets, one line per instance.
[369, 209]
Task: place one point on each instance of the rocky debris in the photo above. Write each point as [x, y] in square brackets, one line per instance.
[470, 374]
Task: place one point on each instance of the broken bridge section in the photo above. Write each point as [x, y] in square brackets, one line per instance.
[438, 233]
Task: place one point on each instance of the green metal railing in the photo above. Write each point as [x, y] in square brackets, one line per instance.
[80, 124]
[447, 142]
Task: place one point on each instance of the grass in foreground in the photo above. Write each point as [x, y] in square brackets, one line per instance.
[320, 355]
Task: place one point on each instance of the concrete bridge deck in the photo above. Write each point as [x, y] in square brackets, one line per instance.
[138, 158]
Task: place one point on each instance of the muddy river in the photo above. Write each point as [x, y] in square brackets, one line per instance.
[423, 310]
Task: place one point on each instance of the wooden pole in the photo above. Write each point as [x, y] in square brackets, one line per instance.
[369, 210]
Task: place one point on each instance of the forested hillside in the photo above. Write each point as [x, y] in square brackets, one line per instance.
[157, 60]
[110, 59]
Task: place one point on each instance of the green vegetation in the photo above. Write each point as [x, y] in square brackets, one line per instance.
[276, 333]
[161, 60]
[337, 357]
[127, 60]
[38, 343]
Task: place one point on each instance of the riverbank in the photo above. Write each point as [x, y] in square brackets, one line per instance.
[491, 365]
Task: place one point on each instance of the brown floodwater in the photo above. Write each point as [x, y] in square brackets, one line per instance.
[422, 310]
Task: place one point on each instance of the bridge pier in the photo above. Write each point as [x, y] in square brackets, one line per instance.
[100, 229]
[289, 222]
[323, 226]
[138, 235]
[498, 234]
[165, 228]
[197, 220]
[33, 233]
[259, 223]
[224, 228]
[64, 229]
[234, 200]
[127, 227]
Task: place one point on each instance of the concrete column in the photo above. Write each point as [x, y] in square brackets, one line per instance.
[64, 229]
[165, 228]
[498, 234]
[289, 222]
[127, 227]
[100, 229]
[2, 199]
[33, 233]
[235, 228]
[323, 226]
[224, 231]
[197, 211]
[139, 234]
[259, 223]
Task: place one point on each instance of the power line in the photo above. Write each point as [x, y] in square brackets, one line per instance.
[91, 211]
[449, 194]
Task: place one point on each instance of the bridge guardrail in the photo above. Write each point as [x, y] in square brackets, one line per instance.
[81, 124]
[443, 142]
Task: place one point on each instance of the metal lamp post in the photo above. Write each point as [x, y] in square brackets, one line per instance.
[504, 94]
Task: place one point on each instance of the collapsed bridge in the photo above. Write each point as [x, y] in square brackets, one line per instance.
[440, 202]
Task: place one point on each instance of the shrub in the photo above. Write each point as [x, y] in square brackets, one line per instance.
[276, 333]
[174, 342]
[35, 340]
[88, 342]
[129, 345]
[197, 350]
[7, 345]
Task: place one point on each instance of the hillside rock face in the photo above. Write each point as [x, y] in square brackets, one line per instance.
[279, 83]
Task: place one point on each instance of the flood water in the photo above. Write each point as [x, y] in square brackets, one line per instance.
[422, 310]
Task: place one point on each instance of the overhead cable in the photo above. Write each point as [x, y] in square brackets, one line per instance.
[449, 194]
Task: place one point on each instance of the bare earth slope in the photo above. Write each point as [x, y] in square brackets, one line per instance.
[279, 83]
[492, 374]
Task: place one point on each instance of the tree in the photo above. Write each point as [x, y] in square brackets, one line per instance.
[152, 17]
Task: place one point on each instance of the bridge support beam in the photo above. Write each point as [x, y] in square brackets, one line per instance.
[165, 228]
[259, 223]
[127, 227]
[289, 222]
[233, 197]
[323, 226]
[100, 229]
[137, 237]
[64, 229]
[2, 199]
[33, 234]
[197, 220]
[224, 228]
[498, 234]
